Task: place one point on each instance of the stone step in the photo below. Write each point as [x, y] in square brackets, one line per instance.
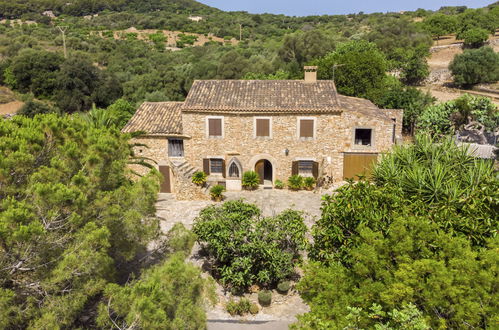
[182, 166]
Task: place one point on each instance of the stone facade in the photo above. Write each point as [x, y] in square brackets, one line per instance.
[334, 136]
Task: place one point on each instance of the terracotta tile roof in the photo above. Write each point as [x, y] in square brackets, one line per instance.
[157, 118]
[260, 96]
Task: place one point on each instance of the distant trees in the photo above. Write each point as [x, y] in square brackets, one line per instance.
[475, 38]
[475, 66]
[359, 68]
[440, 24]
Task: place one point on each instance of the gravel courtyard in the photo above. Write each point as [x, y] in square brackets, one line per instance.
[284, 309]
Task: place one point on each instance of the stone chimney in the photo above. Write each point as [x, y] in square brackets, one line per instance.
[310, 74]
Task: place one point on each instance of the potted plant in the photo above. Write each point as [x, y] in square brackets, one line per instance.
[251, 180]
[309, 183]
[216, 193]
[295, 182]
[265, 298]
[199, 178]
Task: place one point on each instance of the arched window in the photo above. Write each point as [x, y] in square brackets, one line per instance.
[233, 170]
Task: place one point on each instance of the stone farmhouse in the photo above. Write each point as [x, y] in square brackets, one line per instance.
[277, 128]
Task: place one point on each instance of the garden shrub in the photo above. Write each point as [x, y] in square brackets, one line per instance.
[419, 233]
[283, 287]
[278, 184]
[180, 239]
[216, 192]
[247, 248]
[254, 309]
[251, 180]
[199, 178]
[265, 298]
[295, 182]
[309, 183]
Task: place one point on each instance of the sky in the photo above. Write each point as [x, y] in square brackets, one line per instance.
[332, 7]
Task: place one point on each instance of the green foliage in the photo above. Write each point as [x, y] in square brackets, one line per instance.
[475, 38]
[295, 182]
[84, 220]
[254, 309]
[283, 287]
[32, 108]
[168, 296]
[362, 69]
[475, 66]
[439, 24]
[216, 192]
[251, 180]
[186, 39]
[278, 184]
[309, 183]
[265, 298]
[248, 249]
[241, 307]
[446, 118]
[199, 178]
[279, 75]
[180, 239]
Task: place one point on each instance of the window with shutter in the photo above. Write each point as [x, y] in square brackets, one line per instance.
[305, 168]
[216, 166]
[307, 128]
[215, 127]
[262, 127]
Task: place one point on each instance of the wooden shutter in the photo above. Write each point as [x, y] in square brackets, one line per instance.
[206, 166]
[306, 128]
[315, 170]
[215, 127]
[294, 168]
[223, 168]
[263, 127]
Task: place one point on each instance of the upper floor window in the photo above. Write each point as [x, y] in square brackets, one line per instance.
[263, 127]
[364, 137]
[306, 128]
[215, 126]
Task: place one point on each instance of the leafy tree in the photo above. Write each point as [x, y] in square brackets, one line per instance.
[32, 108]
[247, 248]
[476, 18]
[475, 66]
[70, 218]
[440, 24]
[362, 70]
[475, 38]
[232, 66]
[415, 68]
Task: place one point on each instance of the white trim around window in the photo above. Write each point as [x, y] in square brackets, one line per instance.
[270, 128]
[207, 127]
[298, 135]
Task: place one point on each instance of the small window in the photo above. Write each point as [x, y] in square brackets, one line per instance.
[262, 127]
[306, 128]
[363, 137]
[306, 167]
[215, 127]
[233, 170]
[216, 166]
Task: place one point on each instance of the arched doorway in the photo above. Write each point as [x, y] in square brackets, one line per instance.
[264, 169]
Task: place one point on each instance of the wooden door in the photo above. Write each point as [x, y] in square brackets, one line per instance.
[260, 169]
[356, 164]
[166, 186]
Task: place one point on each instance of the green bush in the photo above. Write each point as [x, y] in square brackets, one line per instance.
[475, 66]
[241, 307]
[216, 192]
[309, 183]
[265, 298]
[199, 178]
[419, 234]
[475, 38]
[247, 248]
[283, 287]
[180, 239]
[278, 184]
[251, 180]
[295, 182]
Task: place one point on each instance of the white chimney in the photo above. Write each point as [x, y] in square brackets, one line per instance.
[310, 74]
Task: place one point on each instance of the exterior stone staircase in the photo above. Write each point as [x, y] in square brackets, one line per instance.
[184, 171]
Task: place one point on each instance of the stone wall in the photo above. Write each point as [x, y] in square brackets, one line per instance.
[334, 136]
